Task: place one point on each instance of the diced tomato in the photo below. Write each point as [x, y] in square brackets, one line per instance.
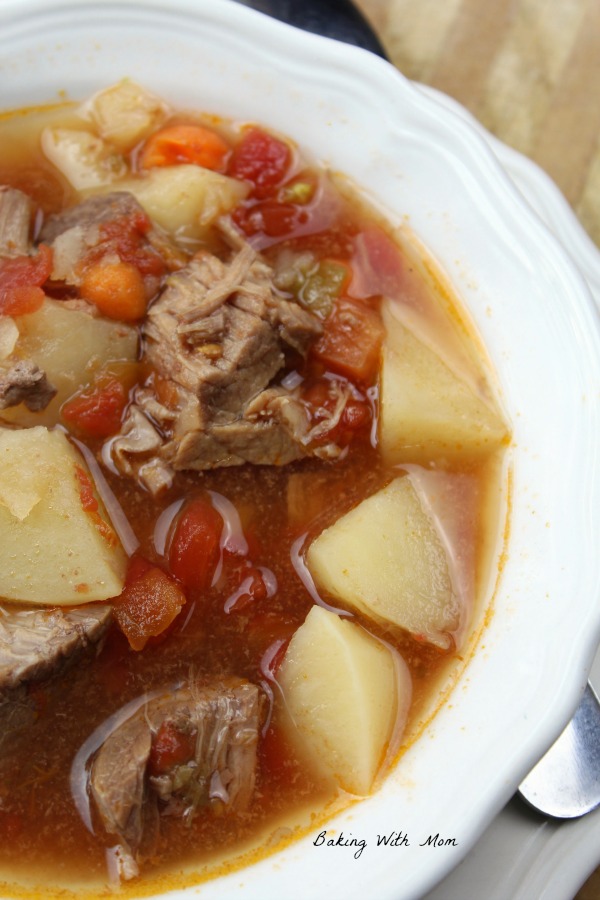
[357, 414]
[178, 144]
[170, 747]
[261, 159]
[124, 235]
[194, 550]
[351, 341]
[97, 410]
[321, 401]
[147, 606]
[269, 217]
[21, 281]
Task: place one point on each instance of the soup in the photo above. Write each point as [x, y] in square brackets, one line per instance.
[251, 480]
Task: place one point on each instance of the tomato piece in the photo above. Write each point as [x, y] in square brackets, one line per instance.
[194, 550]
[356, 415]
[124, 236]
[97, 411]
[170, 747]
[21, 279]
[270, 218]
[178, 144]
[261, 159]
[351, 341]
[147, 606]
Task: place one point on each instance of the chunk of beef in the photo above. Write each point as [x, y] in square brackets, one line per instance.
[216, 728]
[75, 231]
[219, 336]
[36, 643]
[89, 214]
[24, 382]
[215, 330]
[15, 220]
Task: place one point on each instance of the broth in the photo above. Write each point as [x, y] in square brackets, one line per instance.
[259, 591]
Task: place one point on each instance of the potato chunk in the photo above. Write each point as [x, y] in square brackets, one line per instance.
[386, 559]
[70, 346]
[185, 199]
[348, 695]
[86, 161]
[427, 411]
[124, 113]
[56, 544]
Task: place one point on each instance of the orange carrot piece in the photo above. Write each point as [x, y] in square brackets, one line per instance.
[177, 144]
[117, 289]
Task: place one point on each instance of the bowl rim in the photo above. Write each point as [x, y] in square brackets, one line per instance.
[380, 83]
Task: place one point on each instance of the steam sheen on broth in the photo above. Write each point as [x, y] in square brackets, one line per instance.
[250, 482]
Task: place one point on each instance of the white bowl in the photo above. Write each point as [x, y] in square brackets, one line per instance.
[421, 160]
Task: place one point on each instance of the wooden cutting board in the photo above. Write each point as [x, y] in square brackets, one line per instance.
[529, 70]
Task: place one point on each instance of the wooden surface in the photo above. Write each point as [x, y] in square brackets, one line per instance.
[529, 70]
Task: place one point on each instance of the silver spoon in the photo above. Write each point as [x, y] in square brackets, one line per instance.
[565, 783]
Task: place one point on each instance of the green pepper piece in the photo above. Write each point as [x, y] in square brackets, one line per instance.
[324, 286]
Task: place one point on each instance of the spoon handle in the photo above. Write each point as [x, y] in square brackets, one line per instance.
[565, 783]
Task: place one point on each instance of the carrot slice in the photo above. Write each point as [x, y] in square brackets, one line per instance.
[117, 289]
[178, 144]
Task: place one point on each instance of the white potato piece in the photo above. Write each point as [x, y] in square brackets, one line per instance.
[427, 411]
[348, 696]
[186, 199]
[124, 113]
[70, 345]
[52, 550]
[85, 160]
[386, 559]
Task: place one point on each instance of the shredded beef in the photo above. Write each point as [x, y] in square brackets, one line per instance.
[219, 335]
[220, 726]
[36, 643]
